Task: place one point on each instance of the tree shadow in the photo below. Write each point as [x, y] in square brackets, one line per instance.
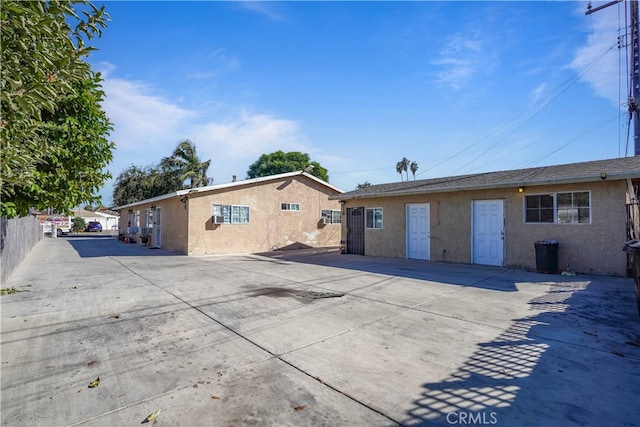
[573, 361]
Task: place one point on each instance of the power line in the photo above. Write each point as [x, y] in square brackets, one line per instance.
[534, 142]
[531, 111]
[539, 105]
[604, 121]
[547, 100]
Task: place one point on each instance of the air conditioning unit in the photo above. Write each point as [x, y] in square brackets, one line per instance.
[218, 219]
[326, 220]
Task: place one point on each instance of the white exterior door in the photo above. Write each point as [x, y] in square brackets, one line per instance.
[418, 231]
[488, 232]
[157, 228]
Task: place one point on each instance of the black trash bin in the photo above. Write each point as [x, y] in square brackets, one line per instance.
[546, 256]
[632, 247]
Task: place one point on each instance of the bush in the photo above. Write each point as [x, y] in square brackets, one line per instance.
[79, 224]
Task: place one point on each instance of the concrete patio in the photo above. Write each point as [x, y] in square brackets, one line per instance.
[307, 338]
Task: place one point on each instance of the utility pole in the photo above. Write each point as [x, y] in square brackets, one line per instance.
[634, 96]
[635, 76]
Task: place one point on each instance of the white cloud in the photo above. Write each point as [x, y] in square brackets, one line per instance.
[597, 59]
[221, 55]
[141, 119]
[538, 93]
[246, 136]
[461, 58]
[147, 128]
[202, 75]
[263, 8]
[213, 65]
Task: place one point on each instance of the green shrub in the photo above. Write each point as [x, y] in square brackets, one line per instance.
[79, 224]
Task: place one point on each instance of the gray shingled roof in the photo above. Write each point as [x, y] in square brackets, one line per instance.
[622, 168]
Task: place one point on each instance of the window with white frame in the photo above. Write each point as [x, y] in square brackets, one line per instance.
[232, 214]
[573, 208]
[134, 222]
[331, 216]
[289, 206]
[147, 223]
[558, 208]
[148, 218]
[374, 218]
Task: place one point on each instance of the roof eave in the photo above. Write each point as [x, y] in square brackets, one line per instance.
[525, 183]
[151, 200]
[227, 185]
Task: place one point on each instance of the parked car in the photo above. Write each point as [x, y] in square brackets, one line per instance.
[94, 226]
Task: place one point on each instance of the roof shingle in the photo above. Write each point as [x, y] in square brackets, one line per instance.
[622, 168]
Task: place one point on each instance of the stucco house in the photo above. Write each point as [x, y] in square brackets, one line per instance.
[494, 218]
[261, 214]
[108, 221]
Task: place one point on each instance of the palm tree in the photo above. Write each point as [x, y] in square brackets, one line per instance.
[186, 164]
[414, 169]
[399, 169]
[405, 166]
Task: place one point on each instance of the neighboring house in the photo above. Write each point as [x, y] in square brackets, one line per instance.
[261, 214]
[108, 221]
[494, 218]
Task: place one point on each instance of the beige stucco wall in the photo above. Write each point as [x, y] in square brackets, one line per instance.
[173, 227]
[268, 226]
[586, 248]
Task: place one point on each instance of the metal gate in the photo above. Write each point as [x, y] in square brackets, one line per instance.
[355, 231]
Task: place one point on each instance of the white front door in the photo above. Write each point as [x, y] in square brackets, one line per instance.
[488, 232]
[157, 228]
[418, 231]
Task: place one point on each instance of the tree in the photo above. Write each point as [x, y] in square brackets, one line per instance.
[281, 162]
[399, 169]
[162, 180]
[138, 183]
[131, 185]
[73, 169]
[363, 185]
[185, 164]
[79, 224]
[53, 128]
[414, 169]
[405, 166]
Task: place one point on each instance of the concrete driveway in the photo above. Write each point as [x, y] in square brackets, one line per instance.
[310, 338]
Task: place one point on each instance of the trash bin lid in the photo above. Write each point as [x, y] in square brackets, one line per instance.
[632, 247]
[546, 242]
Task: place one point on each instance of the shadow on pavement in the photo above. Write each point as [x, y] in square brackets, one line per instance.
[485, 277]
[530, 367]
[89, 246]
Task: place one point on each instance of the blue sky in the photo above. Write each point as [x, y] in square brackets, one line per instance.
[458, 87]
